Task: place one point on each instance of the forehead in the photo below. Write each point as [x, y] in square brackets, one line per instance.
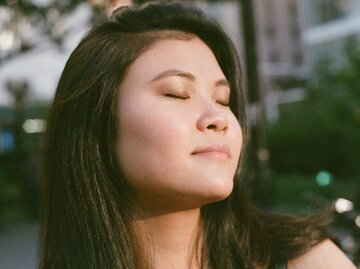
[191, 55]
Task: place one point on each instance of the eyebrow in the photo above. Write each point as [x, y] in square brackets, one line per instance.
[186, 75]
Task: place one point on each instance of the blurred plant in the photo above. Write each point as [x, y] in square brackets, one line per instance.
[19, 171]
[25, 24]
[323, 131]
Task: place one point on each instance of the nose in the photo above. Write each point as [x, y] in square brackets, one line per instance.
[212, 120]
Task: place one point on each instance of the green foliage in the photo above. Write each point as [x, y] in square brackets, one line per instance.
[43, 18]
[20, 168]
[292, 192]
[323, 131]
[11, 201]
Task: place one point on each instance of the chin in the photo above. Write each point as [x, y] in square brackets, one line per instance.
[218, 191]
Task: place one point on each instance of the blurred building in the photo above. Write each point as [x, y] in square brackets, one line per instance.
[280, 52]
[279, 43]
[279, 46]
[327, 25]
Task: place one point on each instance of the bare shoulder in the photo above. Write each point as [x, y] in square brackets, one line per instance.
[325, 255]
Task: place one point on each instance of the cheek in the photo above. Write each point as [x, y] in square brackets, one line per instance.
[149, 129]
[148, 144]
[236, 136]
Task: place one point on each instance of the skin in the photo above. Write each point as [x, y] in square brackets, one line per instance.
[114, 4]
[172, 105]
[325, 255]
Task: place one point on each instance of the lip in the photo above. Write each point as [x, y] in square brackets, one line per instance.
[213, 151]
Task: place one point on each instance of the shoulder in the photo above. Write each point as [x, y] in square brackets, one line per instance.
[325, 255]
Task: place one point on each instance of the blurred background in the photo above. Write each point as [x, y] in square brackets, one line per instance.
[302, 70]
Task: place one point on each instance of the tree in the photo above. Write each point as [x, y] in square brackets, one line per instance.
[322, 132]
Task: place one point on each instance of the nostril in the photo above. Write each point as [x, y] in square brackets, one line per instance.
[211, 122]
[211, 127]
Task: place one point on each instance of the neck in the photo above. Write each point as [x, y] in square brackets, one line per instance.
[174, 238]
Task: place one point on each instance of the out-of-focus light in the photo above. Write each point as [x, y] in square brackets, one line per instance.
[5, 14]
[7, 140]
[34, 126]
[348, 242]
[7, 40]
[342, 205]
[263, 154]
[357, 221]
[323, 178]
[42, 3]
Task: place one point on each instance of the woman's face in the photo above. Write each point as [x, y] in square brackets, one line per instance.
[178, 142]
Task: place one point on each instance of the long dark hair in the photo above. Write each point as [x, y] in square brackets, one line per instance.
[88, 206]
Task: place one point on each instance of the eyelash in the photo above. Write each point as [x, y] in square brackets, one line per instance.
[176, 96]
[226, 103]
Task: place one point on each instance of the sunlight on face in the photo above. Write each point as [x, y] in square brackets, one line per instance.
[178, 142]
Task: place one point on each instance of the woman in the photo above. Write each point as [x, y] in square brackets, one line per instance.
[144, 155]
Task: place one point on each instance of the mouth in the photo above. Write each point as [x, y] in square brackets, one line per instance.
[221, 152]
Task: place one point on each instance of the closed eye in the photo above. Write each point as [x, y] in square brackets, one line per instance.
[176, 96]
[223, 102]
